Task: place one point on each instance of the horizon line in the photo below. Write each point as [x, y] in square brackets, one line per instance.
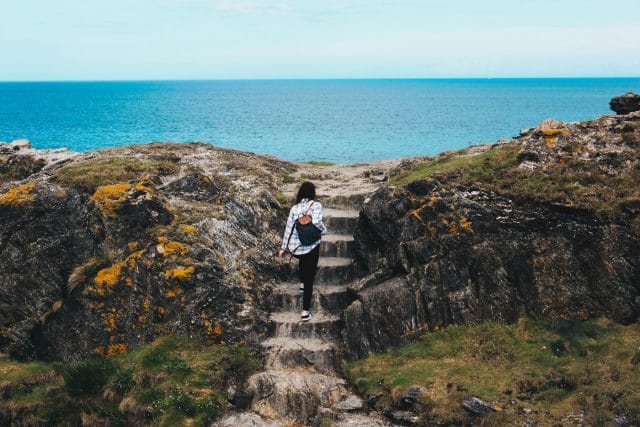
[314, 79]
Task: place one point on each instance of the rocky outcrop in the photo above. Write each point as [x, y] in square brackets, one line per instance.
[95, 258]
[465, 247]
[625, 104]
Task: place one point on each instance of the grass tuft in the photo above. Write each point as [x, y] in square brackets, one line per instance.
[553, 367]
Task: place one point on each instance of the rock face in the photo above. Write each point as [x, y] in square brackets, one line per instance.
[625, 104]
[95, 259]
[450, 249]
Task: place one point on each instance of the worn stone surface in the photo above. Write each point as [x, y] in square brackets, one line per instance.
[88, 273]
[452, 252]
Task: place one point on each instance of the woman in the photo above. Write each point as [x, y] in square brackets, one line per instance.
[307, 254]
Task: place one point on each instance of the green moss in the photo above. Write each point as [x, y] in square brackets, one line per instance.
[282, 199]
[90, 174]
[485, 165]
[287, 179]
[557, 366]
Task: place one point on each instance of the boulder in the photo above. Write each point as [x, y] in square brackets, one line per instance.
[20, 144]
[625, 104]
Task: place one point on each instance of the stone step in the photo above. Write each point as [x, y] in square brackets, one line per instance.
[328, 298]
[288, 324]
[295, 395]
[340, 221]
[308, 353]
[334, 270]
[343, 202]
[337, 245]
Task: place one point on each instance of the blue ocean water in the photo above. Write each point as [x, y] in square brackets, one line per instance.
[342, 121]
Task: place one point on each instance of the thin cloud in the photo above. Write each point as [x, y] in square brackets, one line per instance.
[253, 7]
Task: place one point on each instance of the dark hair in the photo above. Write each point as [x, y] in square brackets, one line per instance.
[307, 191]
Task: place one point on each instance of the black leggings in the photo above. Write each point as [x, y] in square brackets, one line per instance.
[308, 264]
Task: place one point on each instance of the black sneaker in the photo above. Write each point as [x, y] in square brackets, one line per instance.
[305, 316]
[301, 287]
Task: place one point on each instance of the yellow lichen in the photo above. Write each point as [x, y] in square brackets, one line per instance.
[551, 136]
[133, 246]
[162, 310]
[114, 349]
[189, 229]
[18, 195]
[179, 273]
[217, 329]
[132, 259]
[110, 322]
[107, 278]
[416, 214]
[465, 225]
[109, 197]
[173, 292]
[167, 247]
[145, 184]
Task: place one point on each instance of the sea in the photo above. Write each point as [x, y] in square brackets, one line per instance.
[341, 121]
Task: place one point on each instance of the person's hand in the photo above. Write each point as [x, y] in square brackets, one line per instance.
[281, 252]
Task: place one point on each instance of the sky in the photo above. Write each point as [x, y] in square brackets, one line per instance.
[276, 39]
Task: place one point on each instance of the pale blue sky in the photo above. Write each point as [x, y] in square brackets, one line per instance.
[218, 39]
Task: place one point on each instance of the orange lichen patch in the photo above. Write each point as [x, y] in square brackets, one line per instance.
[207, 324]
[107, 278]
[174, 292]
[132, 259]
[189, 229]
[162, 310]
[167, 247]
[433, 199]
[465, 225]
[217, 329]
[109, 197]
[18, 195]
[133, 246]
[180, 273]
[146, 305]
[416, 214]
[110, 322]
[145, 184]
[551, 136]
[114, 349]
[99, 351]
[128, 281]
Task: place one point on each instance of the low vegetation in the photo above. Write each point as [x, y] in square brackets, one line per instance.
[574, 182]
[88, 175]
[319, 163]
[544, 370]
[172, 381]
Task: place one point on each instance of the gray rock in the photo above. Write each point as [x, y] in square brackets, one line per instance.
[351, 403]
[398, 416]
[20, 144]
[476, 406]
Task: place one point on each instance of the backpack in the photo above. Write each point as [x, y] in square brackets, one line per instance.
[307, 232]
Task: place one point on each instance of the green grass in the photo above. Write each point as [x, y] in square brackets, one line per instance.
[183, 380]
[87, 175]
[556, 366]
[319, 163]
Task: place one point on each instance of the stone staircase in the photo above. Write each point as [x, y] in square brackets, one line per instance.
[302, 383]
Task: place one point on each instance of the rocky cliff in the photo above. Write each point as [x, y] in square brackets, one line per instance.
[102, 251]
[543, 226]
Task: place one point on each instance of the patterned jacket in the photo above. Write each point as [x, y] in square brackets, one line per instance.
[305, 206]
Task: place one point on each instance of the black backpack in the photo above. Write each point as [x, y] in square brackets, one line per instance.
[307, 232]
